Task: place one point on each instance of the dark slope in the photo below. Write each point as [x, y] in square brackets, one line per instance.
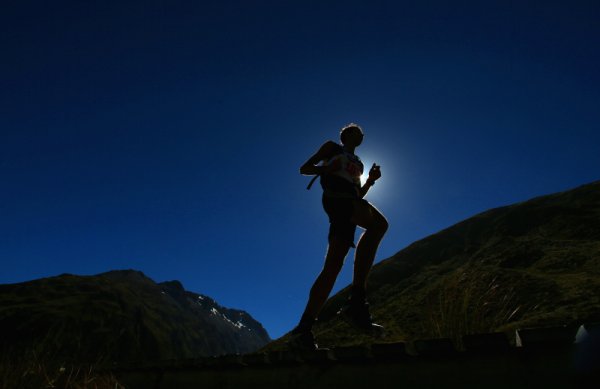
[121, 316]
[528, 264]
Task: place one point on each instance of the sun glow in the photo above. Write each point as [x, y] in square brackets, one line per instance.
[363, 177]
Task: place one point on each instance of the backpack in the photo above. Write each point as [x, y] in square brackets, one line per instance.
[339, 150]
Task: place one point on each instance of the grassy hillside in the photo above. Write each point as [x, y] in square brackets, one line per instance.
[535, 263]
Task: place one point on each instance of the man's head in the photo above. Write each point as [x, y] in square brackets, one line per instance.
[351, 134]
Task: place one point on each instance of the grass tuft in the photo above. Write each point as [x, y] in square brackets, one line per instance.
[469, 301]
[25, 370]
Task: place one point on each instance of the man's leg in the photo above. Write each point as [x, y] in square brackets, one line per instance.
[368, 217]
[303, 335]
[334, 260]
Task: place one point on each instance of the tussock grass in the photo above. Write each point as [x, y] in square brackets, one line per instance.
[469, 301]
[34, 369]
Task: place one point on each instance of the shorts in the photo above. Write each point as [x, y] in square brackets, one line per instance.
[340, 212]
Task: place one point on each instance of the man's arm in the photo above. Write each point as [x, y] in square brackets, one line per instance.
[362, 192]
[374, 175]
[310, 167]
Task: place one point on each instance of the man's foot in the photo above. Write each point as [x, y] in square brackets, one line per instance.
[358, 316]
[302, 339]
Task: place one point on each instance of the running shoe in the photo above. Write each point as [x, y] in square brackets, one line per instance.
[357, 314]
[302, 339]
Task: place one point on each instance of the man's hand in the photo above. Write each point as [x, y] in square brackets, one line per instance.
[374, 173]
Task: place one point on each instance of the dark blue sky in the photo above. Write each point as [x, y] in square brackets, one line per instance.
[166, 136]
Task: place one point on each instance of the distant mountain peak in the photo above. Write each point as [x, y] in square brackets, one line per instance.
[122, 315]
[124, 274]
[173, 286]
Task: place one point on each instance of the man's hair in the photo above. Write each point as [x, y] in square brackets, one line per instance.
[347, 130]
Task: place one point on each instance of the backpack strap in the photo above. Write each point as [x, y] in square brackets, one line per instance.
[339, 150]
[312, 181]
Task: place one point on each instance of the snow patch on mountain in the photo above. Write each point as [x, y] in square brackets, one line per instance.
[237, 324]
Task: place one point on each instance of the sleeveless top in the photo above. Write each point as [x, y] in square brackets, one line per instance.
[345, 182]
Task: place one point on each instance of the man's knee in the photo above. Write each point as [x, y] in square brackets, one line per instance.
[383, 225]
[336, 254]
[379, 226]
[331, 269]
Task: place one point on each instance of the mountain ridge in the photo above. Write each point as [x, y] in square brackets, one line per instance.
[120, 316]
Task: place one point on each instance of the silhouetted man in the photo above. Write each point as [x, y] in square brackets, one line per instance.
[343, 201]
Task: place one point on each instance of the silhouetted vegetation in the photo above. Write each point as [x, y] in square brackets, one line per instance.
[39, 367]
